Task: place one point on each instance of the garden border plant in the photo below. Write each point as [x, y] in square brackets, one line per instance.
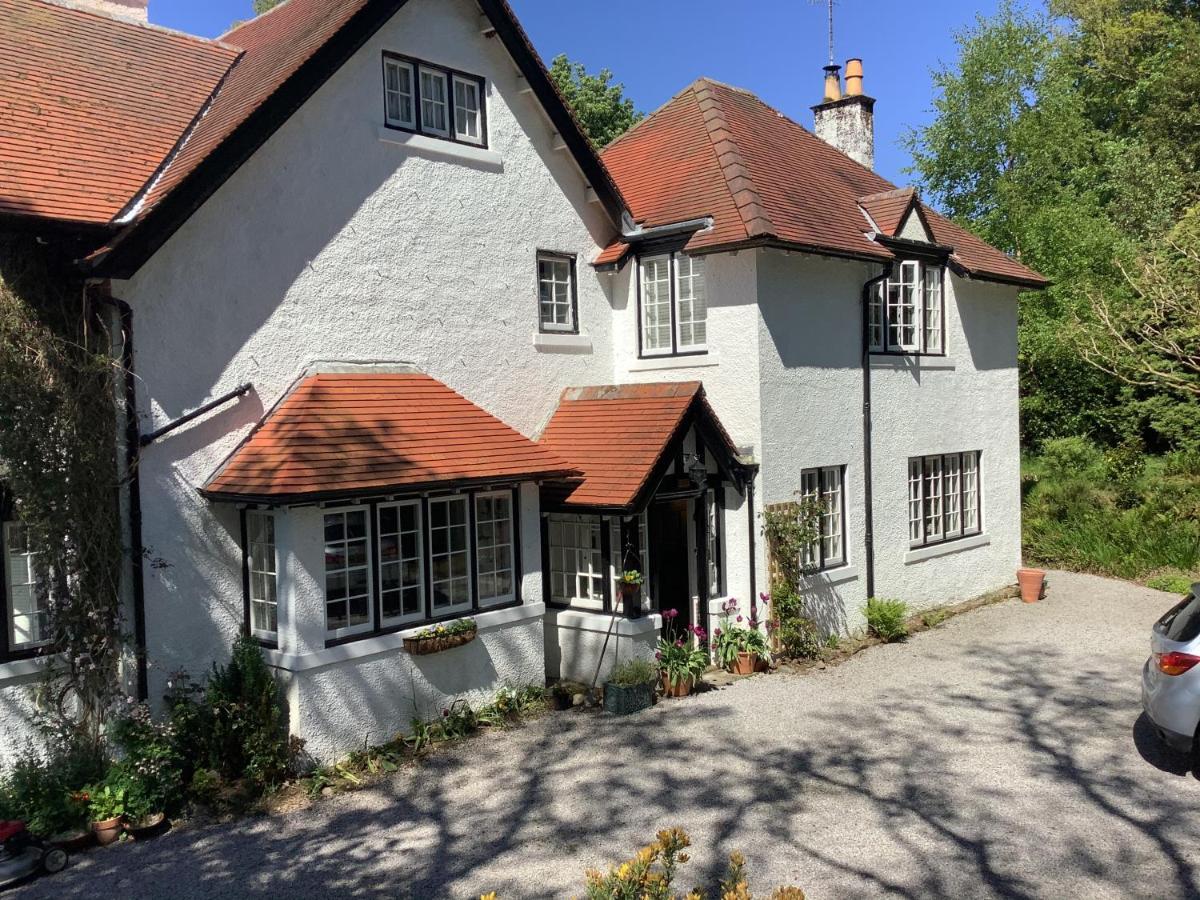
[788, 529]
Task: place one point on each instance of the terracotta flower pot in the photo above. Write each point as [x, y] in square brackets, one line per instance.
[108, 831]
[1032, 582]
[745, 664]
[679, 689]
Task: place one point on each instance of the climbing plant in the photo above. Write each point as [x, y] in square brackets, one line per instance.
[788, 530]
[58, 470]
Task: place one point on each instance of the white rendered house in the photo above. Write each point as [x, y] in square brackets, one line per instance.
[406, 350]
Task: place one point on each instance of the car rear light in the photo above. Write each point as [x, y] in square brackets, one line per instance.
[1175, 663]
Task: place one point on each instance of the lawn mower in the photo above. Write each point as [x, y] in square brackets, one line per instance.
[22, 854]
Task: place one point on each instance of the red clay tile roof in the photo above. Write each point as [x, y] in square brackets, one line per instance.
[888, 209]
[719, 151]
[617, 434]
[90, 106]
[338, 435]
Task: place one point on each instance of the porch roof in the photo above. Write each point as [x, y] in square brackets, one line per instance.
[337, 435]
[622, 437]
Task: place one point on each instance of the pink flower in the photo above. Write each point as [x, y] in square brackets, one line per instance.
[679, 643]
[716, 632]
[658, 655]
[699, 632]
[670, 613]
[739, 618]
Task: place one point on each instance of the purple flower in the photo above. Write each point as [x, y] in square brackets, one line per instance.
[716, 632]
[679, 643]
[739, 618]
[699, 632]
[670, 613]
[658, 655]
[764, 598]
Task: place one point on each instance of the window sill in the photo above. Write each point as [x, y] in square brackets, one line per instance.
[561, 342]
[438, 148]
[581, 620]
[912, 361]
[840, 575]
[361, 650]
[956, 546]
[20, 668]
[656, 363]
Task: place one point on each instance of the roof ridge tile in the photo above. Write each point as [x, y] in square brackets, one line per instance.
[738, 180]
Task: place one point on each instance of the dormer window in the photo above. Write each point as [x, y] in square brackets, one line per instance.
[905, 311]
[672, 305]
[433, 100]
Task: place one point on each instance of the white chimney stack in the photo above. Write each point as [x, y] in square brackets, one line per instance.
[847, 120]
[133, 10]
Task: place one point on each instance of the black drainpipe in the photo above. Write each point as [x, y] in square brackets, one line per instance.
[132, 442]
[751, 473]
[868, 492]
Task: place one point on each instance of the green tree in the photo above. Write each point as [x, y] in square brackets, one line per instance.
[600, 106]
[261, 6]
[1071, 138]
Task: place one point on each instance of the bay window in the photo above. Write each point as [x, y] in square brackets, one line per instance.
[672, 305]
[401, 574]
[434, 100]
[347, 573]
[449, 554]
[943, 497]
[577, 569]
[905, 312]
[28, 612]
[261, 575]
[825, 488]
[494, 548]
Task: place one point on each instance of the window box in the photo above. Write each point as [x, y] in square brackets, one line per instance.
[441, 637]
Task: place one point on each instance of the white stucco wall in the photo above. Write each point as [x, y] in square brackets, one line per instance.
[810, 364]
[332, 244]
[583, 645]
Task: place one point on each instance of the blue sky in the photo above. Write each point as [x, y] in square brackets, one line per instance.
[776, 48]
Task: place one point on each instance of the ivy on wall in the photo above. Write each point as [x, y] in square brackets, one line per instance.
[788, 529]
[58, 417]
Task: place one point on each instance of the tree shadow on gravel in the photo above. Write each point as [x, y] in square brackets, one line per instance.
[1020, 781]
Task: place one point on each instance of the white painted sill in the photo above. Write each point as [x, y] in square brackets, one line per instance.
[840, 575]
[582, 620]
[561, 342]
[659, 363]
[968, 543]
[22, 668]
[359, 651]
[437, 148]
[899, 362]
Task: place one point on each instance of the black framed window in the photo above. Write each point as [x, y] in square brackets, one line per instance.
[425, 98]
[558, 302]
[26, 594]
[419, 560]
[905, 313]
[825, 486]
[672, 304]
[944, 497]
[261, 575]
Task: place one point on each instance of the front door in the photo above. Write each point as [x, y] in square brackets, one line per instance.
[669, 559]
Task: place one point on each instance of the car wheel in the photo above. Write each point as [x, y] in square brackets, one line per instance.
[55, 860]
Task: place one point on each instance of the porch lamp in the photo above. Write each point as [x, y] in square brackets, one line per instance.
[696, 469]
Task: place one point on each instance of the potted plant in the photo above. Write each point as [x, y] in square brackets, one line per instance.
[440, 637]
[630, 687]
[1033, 583]
[106, 807]
[739, 648]
[630, 583]
[681, 659]
[562, 695]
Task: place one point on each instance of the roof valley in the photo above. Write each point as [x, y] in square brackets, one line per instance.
[741, 186]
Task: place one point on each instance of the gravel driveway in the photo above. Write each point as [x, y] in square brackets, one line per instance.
[1002, 754]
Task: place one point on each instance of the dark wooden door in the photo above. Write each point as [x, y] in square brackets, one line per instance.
[668, 538]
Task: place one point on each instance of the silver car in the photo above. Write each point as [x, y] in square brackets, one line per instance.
[1171, 676]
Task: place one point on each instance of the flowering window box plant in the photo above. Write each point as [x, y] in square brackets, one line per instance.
[436, 638]
[740, 646]
[682, 658]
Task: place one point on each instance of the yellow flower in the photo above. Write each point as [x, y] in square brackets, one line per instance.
[490, 895]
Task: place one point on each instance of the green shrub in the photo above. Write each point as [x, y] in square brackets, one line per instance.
[633, 672]
[935, 617]
[151, 768]
[886, 618]
[797, 635]
[1071, 457]
[1172, 582]
[47, 790]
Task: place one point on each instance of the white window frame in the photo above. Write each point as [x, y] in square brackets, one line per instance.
[571, 562]
[475, 115]
[40, 598]
[369, 625]
[265, 568]
[497, 599]
[386, 621]
[553, 261]
[435, 611]
[446, 103]
[390, 64]
[906, 315]
[826, 485]
[697, 273]
[944, 497]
